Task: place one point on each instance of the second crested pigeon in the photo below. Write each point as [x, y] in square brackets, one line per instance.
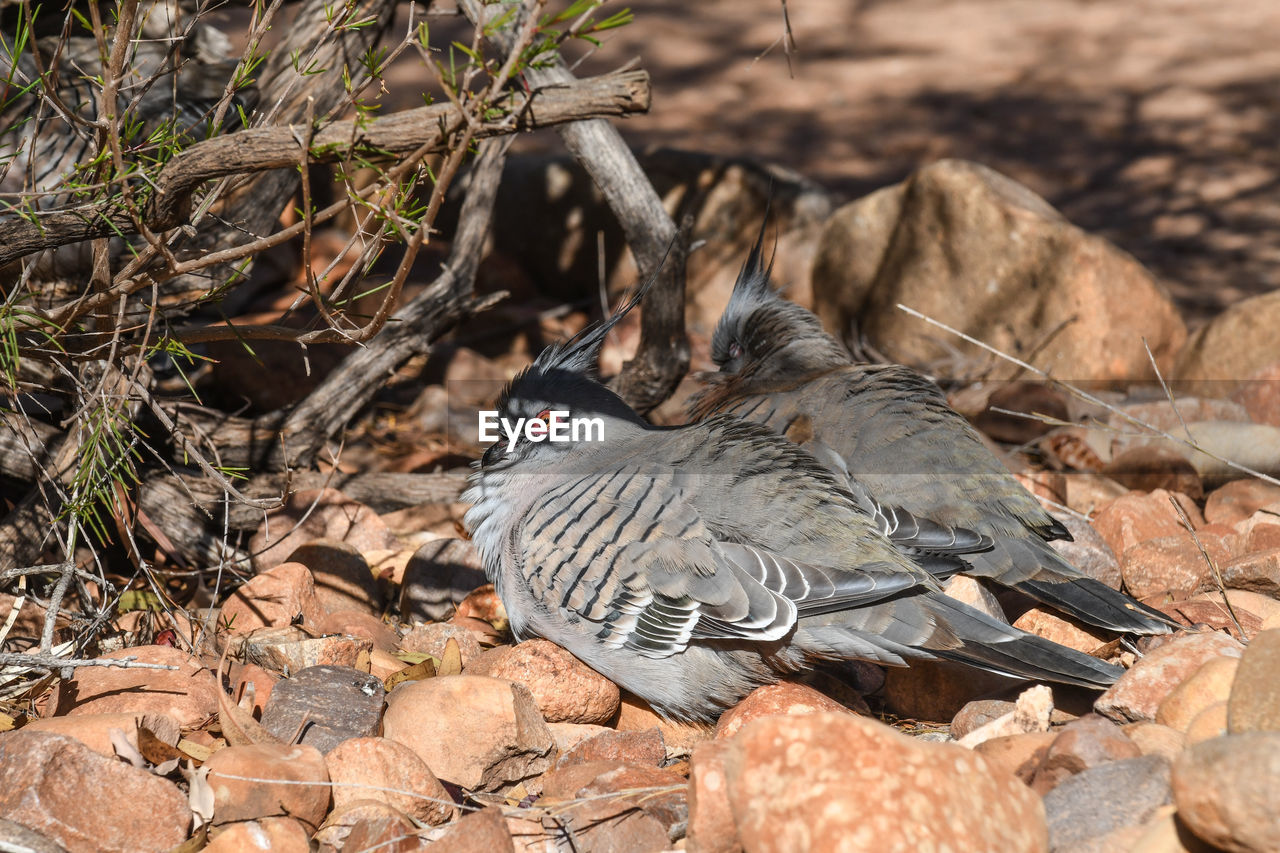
[692, 564]
[887, 431]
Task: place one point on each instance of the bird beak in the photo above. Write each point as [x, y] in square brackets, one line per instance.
[493, 455]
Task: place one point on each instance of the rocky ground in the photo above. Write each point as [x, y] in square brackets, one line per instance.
[359, 687]
[354, 685]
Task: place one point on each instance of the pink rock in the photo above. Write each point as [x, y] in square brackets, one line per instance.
[276, 834]
[318, 514]
[94, 730]
[711, 826]
[278, 597]
[1088, 492]
[301, 792]
[1148, 467]
[937, 690]
[978, 713]
[479, 733]
[1260, 395]
[1061, 630]
[479, 832]
[1260, 531]
[565, 688]
[1208, 611]
[484, 604]
[1210, 723]
[356, 623]
[1209, 684]
[1170, 564]
[1239, 499]
[1137, 517]
[1257, 572]
[85, 801]
[188, 694]
[290, 649]
[377, 768]
[645, 749]
[970, 591]
[819, 782]
[635, 715]
[246, 676]
[431, 639]
[1155, 739]
[1228, 791]
[1083, 743]
[772, 700]
[1255, 694]
[369, 825]
[343, 578]
[1017, 755]
[569, 735]
[599, 805]
[1138, 693]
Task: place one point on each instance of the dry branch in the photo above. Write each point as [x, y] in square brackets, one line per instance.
[663, 356]
[269, 148]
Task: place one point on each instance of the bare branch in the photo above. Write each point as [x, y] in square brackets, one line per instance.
[267, 148]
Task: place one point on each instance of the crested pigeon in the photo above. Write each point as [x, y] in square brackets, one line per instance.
[887, 430]
[692, 564]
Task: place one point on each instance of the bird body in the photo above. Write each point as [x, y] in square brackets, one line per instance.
[886, 430]
[692, 564]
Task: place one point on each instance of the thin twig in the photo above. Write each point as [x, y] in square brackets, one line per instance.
[1213, 567]
[47, 661]
[1086, 396]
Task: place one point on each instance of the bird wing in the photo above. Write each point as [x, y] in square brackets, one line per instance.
[625, 550]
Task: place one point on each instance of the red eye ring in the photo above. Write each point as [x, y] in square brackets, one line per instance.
[544, 416]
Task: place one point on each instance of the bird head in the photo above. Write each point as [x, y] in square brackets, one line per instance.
[561, 393]
[763, 336]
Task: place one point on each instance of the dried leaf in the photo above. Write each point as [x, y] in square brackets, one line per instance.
[415, 657]
[418, 672]
[7, 723]
[155, 750]
[124, 749]
[194, 844]
[238, 725]
[199, 794]
[450, 659]
[195, 751]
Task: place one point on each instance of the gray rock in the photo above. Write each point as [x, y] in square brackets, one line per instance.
[327, 704]
[1105, 798]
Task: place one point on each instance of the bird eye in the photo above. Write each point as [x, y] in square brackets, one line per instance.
[735, 350]
[544, 416]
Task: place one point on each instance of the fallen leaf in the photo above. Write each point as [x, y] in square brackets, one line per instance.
[195, 751]
[450, 659]
[418, 672]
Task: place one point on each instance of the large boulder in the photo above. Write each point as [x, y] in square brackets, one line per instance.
[831, 781]
[972, 248]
